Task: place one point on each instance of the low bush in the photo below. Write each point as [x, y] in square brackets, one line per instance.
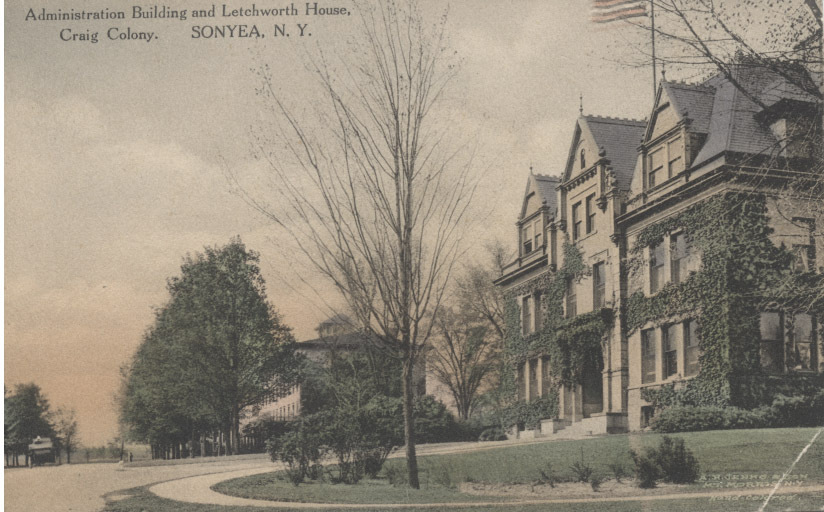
[492, 434]
[647, 471]
[581, 470]
[548, 475]
[785, 411]
[528, 415]
[300, 450]
[671, 462]
[396, 474]
[618, 471]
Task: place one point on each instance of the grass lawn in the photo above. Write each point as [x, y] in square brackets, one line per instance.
[270, 486]
[720, 452]
[725, 457]
[141, 500]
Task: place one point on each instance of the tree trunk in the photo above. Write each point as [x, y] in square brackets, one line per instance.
[409, 422]
[235, 435]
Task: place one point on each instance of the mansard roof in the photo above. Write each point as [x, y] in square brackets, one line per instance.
[729, 117]
[618, 138]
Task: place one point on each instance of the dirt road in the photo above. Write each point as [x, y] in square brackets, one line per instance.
[80, 487]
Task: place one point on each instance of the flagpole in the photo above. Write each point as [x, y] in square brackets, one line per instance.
[654, 73]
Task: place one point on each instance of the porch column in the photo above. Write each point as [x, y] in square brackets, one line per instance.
[540, 373]
[526, 380]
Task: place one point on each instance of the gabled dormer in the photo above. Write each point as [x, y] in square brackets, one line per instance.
[537, 210]
[677, 128]
[599, 166]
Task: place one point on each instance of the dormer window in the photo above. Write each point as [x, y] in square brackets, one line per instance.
[527, 239]
[538, 230]
[583, 159]
[675, 152]
[665, 161]
[656, 166]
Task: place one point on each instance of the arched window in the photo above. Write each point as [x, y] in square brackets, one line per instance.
[583, 159]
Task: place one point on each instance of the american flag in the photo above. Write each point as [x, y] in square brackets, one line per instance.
[604, 11]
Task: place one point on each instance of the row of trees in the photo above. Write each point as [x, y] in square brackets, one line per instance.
[27, 414]
[217, 348]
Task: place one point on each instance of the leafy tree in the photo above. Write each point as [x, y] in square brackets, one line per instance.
[27, 415]
[216, 348]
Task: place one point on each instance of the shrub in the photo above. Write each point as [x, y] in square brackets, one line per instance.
[581, 470]
[797, 411]
[595, 483]
[492, 434]
[785, 411]
[300, 450]
[671, 462]
[396, 474]
[440, 473]
[678, 464]
[529, 414]
[361, 439]
[697, 418]
[618, 471]
[647, 472]
[433, 421]
[548, 475]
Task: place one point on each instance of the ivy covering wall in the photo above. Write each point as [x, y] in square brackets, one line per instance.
[573, 346]
[742, 273]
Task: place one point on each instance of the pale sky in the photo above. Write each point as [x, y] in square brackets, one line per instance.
[114, 151]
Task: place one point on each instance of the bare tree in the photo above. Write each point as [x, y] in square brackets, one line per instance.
[462, 356]
[476, 293]
[66, 429]
[369, 188]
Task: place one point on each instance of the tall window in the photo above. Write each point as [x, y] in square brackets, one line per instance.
[675, 152]
[572, 300]
[680, 248]
[691, 350]
[526, 315]
[536, 305]
[656, 167]
[583, 159]
[590, 207]
[576, 221]
[772, 341]
[539, 231]
[803, 347]
[670, 344]
[648, 356]
[527, 239]
[599, 280]
[656, 268]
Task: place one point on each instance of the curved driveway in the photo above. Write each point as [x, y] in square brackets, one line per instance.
[197, 489]
[80, 487]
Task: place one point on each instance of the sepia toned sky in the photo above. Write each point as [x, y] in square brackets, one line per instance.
[115, 154]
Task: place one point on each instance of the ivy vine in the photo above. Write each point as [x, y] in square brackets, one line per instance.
[573, 346]
[742, 273]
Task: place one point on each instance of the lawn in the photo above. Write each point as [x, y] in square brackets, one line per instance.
[728, 459]
[272, 486]
[141, 500]
[721, 452]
